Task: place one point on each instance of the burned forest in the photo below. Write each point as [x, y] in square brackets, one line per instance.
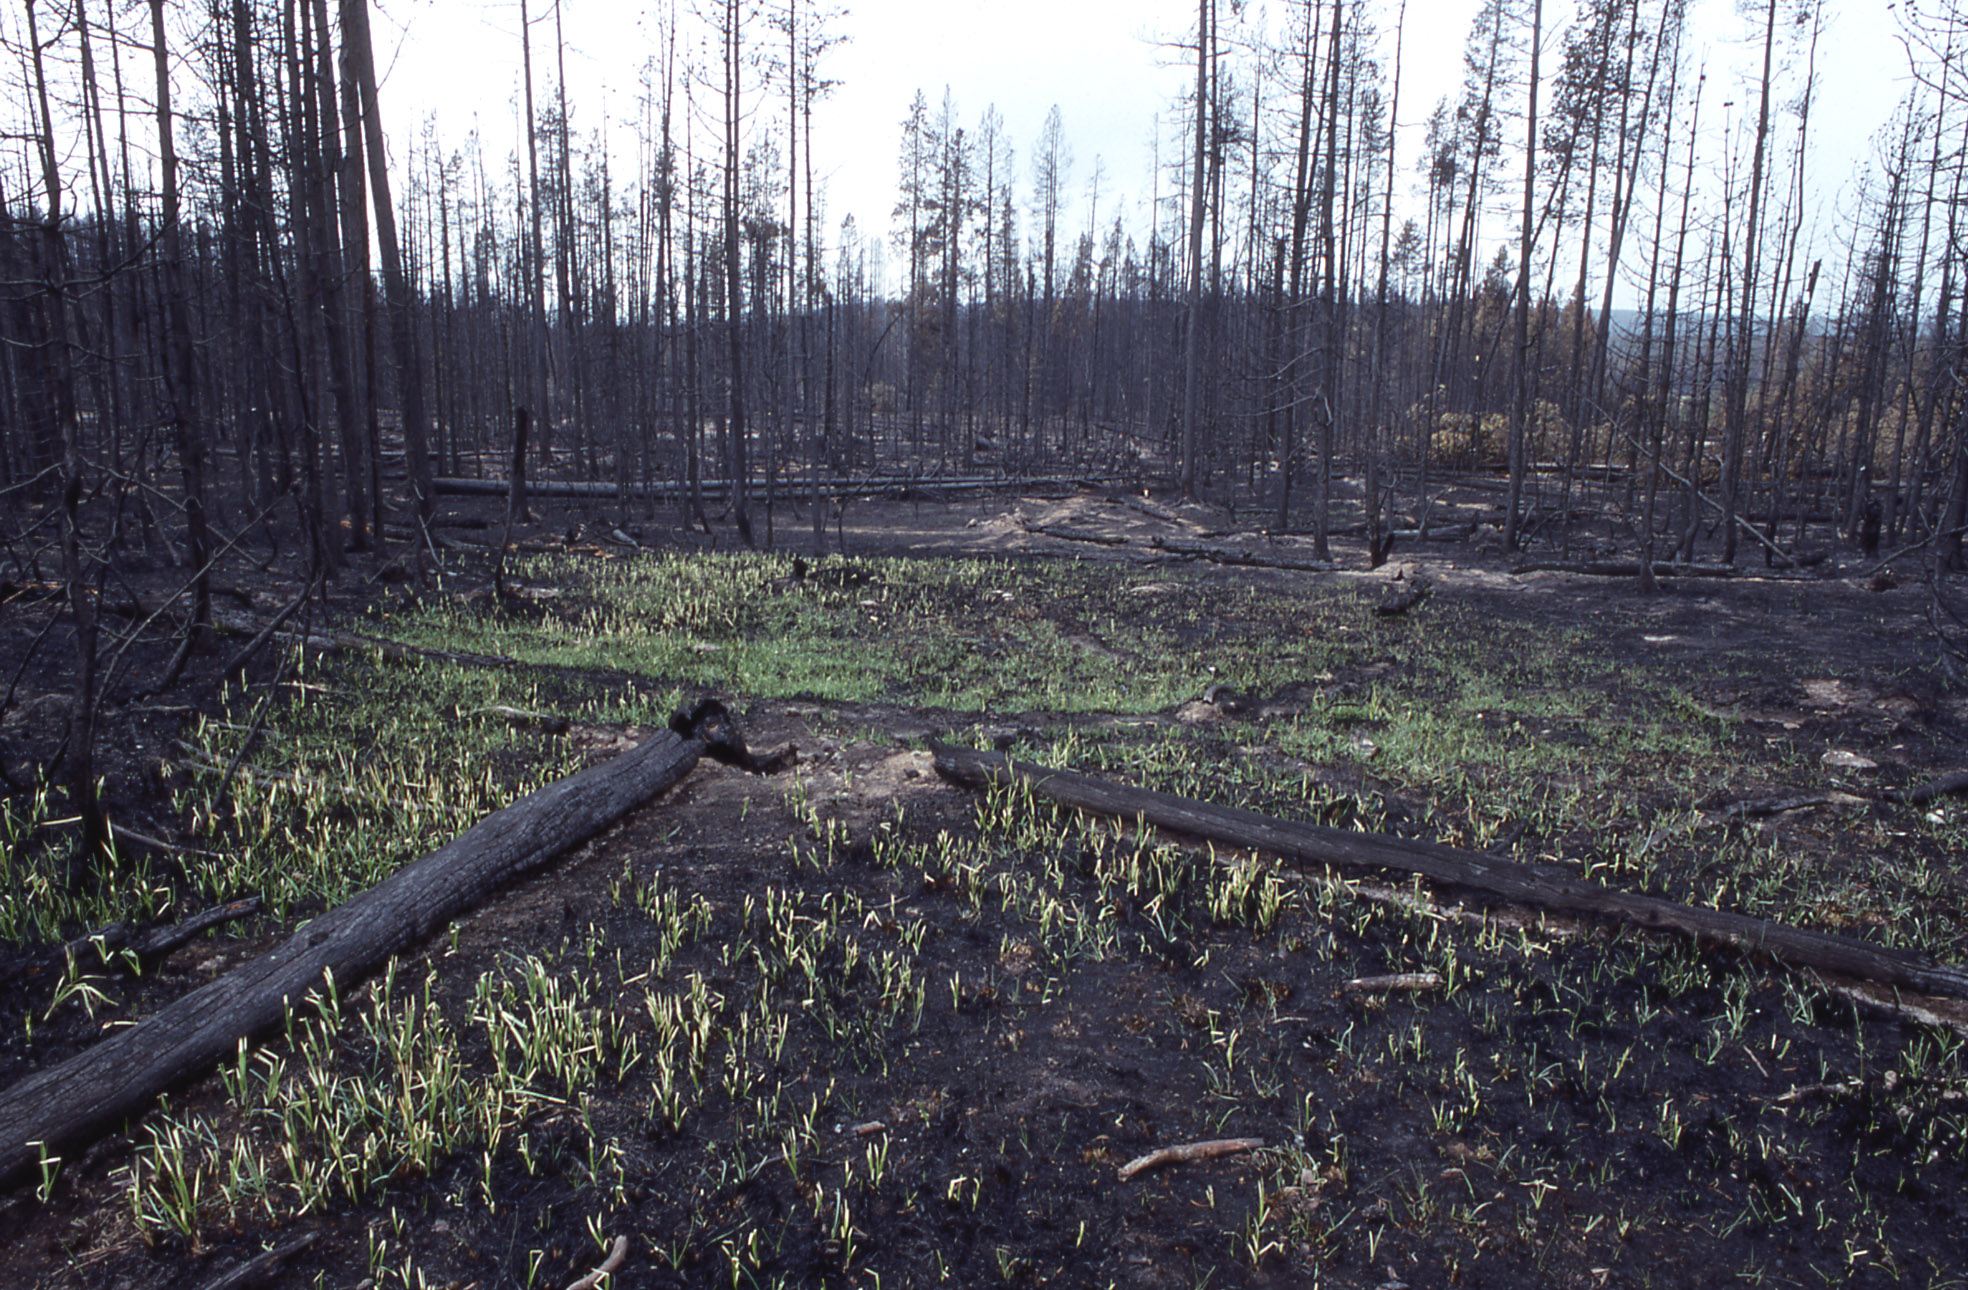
[1380, 700]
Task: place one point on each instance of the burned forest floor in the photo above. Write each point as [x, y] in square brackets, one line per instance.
[852, 1024]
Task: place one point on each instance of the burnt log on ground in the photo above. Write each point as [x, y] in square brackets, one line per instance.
[1248, 556]
[1406, 532]
[1921, 794]
[1763, 807]
[259, 1269]
[1066, 533]
[788, 490]
[1918, 795]
[1153, 510]
[1539, 886]
[1627, 569]
[91, 1093]
[1436, 533]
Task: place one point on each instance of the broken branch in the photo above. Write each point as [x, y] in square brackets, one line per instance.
[616, 1254]
[256, 1269]
[1186, 1152]
[1395, 981]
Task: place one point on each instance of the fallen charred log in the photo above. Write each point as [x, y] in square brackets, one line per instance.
[1535, 885]
[1250, 557]
[785, 489]
[1626, 569]
[67, 1104]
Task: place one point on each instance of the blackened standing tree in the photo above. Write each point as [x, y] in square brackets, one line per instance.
[533, 337]
[914, 181]
[352, 189]
[1292, 308]
[1332, 325]
[180, 365]
[322, 166]
[409, 366]
[1192, 335]
[1743, 333]
[738, 431]
[1051, 161]
[949, 217]
[1651, 392]
[1377, 542]
[65, 430]
[992, 152]
[1521, 359]
[1630, 134]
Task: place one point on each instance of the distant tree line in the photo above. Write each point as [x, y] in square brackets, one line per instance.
[229, 298]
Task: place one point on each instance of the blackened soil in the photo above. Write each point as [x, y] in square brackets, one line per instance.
[1568, 1107]
[1570, 1110]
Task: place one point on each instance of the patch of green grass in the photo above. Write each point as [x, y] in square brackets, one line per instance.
[364, 767]
[360, 1096]
[964, 634]
[41, 901]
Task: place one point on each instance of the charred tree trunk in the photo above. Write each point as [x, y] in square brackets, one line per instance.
[180, 365]
[409, 366]
[1539, 886]
[90, 1093]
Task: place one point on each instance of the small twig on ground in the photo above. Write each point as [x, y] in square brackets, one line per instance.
[159, 940]
[328, 640]
[1756, 808]
[162, 940]
[1889, 1083]
[1247, 556]
[553, 725]
[123, 831]
[1625, 569]
[1187, 1152]
[1156, 511]
[1509, 838]
[616, 1254]
[1411, 981]
[260, 715]
[260, 1266]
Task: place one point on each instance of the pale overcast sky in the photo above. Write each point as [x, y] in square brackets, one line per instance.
[1110, 65]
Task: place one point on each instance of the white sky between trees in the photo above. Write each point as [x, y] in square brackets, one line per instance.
[1115, 68]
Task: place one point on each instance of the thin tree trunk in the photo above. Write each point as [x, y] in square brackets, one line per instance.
[1520, 409]
[1191, 349]
[738, 430]
[180, 366]
[409, 366]
[58, 387]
